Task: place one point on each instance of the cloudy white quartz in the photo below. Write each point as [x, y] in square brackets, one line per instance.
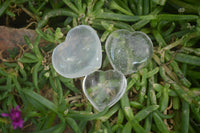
[80, 54]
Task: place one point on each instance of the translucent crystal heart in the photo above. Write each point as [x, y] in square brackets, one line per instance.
[80, 54]
[104, 88]
[128, 51]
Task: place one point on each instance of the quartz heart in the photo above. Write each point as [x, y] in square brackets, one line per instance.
[128, 51]
[80, 54]
[104, 88]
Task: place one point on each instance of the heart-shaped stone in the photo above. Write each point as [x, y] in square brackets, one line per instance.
[80, 54]
[104, 88]
[128, 51]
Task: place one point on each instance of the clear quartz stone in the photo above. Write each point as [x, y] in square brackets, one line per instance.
[80, 54]
[128, 51]
[104, 88]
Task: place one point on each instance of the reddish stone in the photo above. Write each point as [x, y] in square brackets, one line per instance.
[10, 37]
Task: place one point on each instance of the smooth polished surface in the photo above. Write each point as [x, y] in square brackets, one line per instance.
[104, 88]
[128, 51]
[80, 54]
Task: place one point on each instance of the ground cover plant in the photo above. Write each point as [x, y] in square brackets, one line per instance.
[162, 97]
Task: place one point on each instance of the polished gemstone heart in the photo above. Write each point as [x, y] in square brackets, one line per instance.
[104, 88]
[128, 51]
[80, 54]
